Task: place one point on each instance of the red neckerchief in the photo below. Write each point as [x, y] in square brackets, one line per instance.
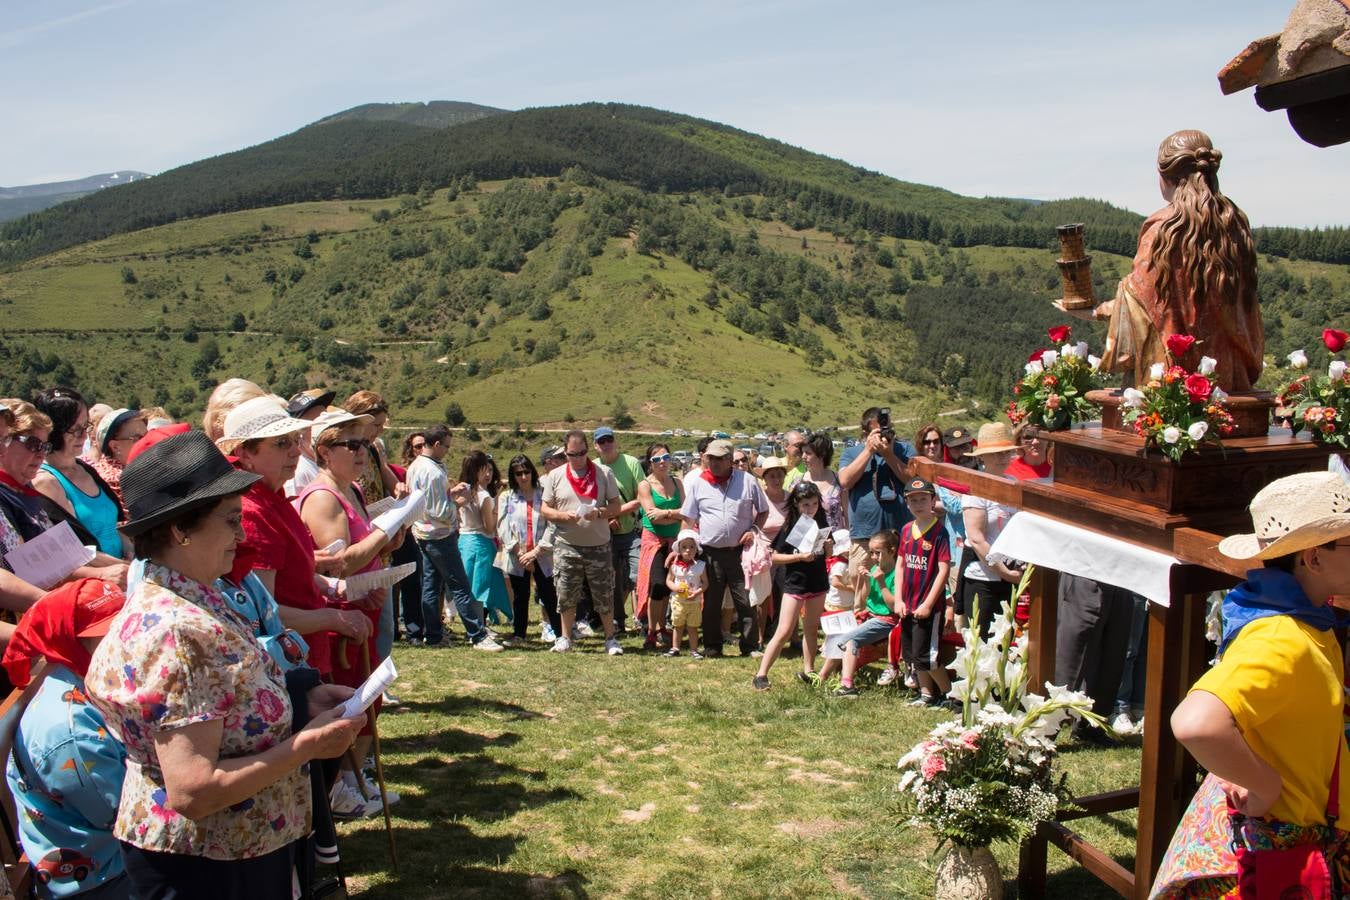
[712, 479]
[11, 481]
[585, 488]
[529, 524]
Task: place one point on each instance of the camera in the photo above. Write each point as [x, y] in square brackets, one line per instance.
[884, 423]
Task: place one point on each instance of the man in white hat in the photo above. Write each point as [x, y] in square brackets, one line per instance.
[1267, 718]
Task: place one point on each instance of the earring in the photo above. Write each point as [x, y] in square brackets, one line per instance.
[184, 542]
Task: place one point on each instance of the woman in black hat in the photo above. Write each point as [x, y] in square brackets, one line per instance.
[216, 796]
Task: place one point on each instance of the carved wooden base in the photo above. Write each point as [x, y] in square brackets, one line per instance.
[1251, 411]
[1112, 464]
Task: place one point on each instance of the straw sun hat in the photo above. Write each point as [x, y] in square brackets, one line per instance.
[993, 437]
[261, 417]
[1292, 514]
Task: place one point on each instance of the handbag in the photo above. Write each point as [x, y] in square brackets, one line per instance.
[1301, 870]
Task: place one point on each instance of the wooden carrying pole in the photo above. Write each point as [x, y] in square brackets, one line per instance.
[375, 749]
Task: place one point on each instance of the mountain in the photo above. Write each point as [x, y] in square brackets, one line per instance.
[651, 149]
[29, 198]
[436, 114]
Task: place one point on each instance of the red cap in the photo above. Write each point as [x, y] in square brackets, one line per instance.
[154, 436]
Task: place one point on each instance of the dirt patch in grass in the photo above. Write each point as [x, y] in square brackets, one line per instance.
[641, 814]
[812, 829]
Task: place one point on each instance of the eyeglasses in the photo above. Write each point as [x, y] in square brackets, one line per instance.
[661, 457]
[576, 454]
[79, 430]
[235, 521]
[131, 437]
[289, 442]
[353, 444]
[742, 461]
[418, 446]
[934, 441]
[605, 440]
[32, 443]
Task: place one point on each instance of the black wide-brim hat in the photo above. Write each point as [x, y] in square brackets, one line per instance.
[176, 475]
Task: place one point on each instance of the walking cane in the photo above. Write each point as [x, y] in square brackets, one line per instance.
[379, 772]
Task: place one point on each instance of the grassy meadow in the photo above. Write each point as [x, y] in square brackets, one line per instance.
[534, 774]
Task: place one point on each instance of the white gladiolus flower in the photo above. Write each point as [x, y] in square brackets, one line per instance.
[1298, 359]
[1081, 349]
[1336, 370]
[1133, 398]
[1094, 361]
[1049, 358]
[1171, 434]
[1068, 350]
[1035, 367]
[1155, 370]
[1207, 364]
[1197, 430]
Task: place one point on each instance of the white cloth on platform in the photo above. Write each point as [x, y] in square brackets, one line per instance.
[1067, 548]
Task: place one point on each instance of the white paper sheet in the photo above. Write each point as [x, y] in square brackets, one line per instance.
[838, 622]
[47, 559]
[804, 535]
[364, 582]
[401, 513]
[371, 689]
[383, 505]
[1066, 548]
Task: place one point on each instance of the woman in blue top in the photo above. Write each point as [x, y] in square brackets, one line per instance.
[74, 489]
[66, 771]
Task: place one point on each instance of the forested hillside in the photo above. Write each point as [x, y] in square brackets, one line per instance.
[649, 149]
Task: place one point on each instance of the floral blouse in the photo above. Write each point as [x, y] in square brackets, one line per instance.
[180, 655]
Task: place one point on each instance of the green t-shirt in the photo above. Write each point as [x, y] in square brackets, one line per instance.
[627, 472]
[875, 604]
[665, 529]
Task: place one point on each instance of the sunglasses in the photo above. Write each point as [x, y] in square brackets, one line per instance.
[32, 443]
[353, 444]
[740, 462]
[661, 457]
[519, 472]
[576, 454]
[418, 446]
[928, 441]
[604, 440]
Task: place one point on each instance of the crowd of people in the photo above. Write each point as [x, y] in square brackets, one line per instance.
[219, 559]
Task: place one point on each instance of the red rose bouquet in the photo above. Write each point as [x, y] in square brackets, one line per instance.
[1053, 392]
[1178, 410]
[1321, 403]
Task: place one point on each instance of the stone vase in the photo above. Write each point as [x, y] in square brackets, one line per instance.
[968, 873]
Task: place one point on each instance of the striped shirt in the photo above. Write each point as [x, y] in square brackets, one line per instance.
[918, 559]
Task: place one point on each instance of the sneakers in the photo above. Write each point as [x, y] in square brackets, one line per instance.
[694, 654]
[911, 682]
[847, 691]
[888, 677]
[561, 645]
[390, 700]
[1122, 725]
[612, 647]
[347, 804]
[488, 645]
[546, 633]
[760, 682]
[810, 679]
[673, 651]
[513, 642]
[922, 701]
[582, 630]
[373, 789]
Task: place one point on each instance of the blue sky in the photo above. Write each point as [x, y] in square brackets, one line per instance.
[1031, 99]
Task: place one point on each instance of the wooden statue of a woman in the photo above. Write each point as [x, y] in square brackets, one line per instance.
[1194, 273]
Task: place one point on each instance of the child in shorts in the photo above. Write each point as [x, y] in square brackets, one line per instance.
[687, 579]
[840, 594]
[922, 564]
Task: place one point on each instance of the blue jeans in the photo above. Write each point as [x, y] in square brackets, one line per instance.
[442, 568]
[1131, 693]
[624, 549]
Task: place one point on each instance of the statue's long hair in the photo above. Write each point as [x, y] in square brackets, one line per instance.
[1204, 235]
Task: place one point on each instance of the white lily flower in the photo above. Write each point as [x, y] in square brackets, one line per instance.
[1155, 371]
[1049, 358]
[1068, 350]
[1095, 362]
[1171, 434]
[1336, 370]
[1197, 430]
[1207, 364]
[1218, 395]
[1133, 398]
[1035, 367]
[1298, 359]
[1082, 349]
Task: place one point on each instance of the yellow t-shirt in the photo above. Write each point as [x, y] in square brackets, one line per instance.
[1282, 680]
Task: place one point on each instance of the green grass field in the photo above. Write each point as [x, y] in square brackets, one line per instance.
[533, 774]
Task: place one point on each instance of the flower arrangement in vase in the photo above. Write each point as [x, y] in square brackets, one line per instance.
[1053, 392]
[1178, 411]
[1321, 403]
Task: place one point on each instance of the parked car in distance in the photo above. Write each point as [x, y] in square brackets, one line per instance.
[696, 432]
[680, 432]
[668, 433]
[682, 457]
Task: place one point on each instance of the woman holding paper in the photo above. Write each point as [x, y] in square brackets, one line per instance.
[333, 509]
[215, 802]
[524, 534]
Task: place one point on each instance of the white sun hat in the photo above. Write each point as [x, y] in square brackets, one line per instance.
[1292, 514]
[261, 417]
[334, 417]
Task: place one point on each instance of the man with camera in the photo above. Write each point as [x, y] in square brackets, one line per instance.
[874, 472]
